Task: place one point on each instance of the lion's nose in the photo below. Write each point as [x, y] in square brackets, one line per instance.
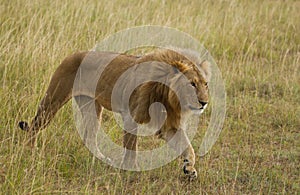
[202, 103]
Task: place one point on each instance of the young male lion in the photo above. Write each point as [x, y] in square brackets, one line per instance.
[185, 90]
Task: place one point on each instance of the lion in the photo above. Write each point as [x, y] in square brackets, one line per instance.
[183, 72]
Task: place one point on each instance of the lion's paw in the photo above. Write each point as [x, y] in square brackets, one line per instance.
[189, 170]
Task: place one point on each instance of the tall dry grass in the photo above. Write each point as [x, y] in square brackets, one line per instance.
[256, 45]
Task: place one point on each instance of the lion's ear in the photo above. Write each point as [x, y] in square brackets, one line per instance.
[175, 70]
[206, 67]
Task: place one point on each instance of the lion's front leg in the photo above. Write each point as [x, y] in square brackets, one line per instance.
[178, 140]
[189, 162]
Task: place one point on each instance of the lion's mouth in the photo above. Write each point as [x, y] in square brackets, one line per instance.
[195, 108]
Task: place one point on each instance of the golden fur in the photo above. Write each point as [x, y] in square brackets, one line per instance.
[197, 73]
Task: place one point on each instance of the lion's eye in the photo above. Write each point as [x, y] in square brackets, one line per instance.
[193, 84]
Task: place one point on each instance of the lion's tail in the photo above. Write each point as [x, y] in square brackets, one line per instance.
[24, 125]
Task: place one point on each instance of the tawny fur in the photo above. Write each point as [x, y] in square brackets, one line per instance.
[61, 86]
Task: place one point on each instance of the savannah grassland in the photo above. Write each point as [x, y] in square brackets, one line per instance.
[256, 45]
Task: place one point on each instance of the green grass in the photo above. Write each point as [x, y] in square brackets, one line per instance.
[256, 44]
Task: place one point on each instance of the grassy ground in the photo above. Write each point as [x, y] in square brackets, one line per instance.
[256, 44]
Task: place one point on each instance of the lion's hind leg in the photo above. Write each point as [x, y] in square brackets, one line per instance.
[88, 119]
[129, 142]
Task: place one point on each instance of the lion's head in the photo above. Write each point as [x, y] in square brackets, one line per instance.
[188, 79]
[190, 86]
[178, 80]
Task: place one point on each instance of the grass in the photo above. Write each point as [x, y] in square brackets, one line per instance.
[256, 44]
